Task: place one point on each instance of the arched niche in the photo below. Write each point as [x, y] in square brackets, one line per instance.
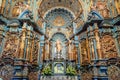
[59, 20]
[62, 39]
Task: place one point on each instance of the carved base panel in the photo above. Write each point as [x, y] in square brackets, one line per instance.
[58, 78]
[113, 73]
[33, 76]
[6, 72]
[19, 78]
[86, 76]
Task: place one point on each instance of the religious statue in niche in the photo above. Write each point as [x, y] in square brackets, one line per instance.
[84, 52]
[35, 52]
[47, 56]
[19, 8]
[58, 48]
[11, 47]
[84, 56]
[113, 73]
[108, 47]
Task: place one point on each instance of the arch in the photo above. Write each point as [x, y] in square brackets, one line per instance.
[58, 33]
[59, 7]
[80, 1]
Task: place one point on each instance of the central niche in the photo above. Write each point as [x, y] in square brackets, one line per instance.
[59, 48]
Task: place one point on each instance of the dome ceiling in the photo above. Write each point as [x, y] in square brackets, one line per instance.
[72, 5]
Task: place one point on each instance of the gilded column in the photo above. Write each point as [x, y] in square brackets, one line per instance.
[69, 50]
[80, 52]
[91, 44]
[88, 49]
[96, 31]
[117, 39]
[29, 42]
[1, 37]
[22, 42]
[47, 55]
[32, 47]
[39, 47]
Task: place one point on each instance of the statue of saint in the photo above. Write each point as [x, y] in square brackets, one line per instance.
[58, 49]
[58, 46]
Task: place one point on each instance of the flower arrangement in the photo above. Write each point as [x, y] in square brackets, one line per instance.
[47, 71]
[71, 71]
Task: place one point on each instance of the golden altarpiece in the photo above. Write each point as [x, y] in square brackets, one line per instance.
[59, 39]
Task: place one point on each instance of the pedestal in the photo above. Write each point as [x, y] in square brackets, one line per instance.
[20, 70]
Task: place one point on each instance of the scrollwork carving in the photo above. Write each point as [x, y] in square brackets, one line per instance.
[35, 52]
[108, 46]
[11, 46]
[86, 76]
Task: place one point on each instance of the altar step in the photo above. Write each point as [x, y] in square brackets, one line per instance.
[58, 77]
